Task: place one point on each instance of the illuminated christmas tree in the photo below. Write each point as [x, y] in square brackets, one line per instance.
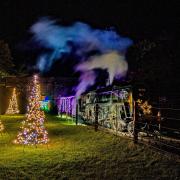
[33, 131]
[1, 126]
[13, 105]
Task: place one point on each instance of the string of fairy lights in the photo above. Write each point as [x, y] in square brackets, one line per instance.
[12, 108]
[145, 106]
[67, 105]
[13, 105]
[32, 130]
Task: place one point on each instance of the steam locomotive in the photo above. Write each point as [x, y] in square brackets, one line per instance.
[115, 108]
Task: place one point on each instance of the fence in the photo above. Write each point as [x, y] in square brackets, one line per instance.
[160, 131]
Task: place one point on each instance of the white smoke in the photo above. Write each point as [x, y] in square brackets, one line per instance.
[86, 79]
[113, 62]
[57, 39]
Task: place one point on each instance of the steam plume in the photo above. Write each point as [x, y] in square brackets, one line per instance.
[59, 39]
[86, 79]
[113, 62]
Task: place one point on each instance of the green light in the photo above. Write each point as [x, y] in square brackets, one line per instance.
[45, 105]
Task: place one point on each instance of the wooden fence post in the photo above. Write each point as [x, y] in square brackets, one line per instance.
[77, 112]
[135, 119]
[96, 117]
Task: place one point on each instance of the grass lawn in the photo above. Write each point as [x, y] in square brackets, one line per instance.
[77, 152]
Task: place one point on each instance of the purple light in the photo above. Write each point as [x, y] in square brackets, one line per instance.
[67, 105]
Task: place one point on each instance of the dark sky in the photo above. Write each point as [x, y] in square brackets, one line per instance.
[135, 19]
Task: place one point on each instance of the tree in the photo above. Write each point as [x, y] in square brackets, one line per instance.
[13, 105]
[6, 63]
[33, 130]
[151, 66]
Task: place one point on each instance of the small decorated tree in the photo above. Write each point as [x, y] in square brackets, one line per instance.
[13, 105]
[33, 131]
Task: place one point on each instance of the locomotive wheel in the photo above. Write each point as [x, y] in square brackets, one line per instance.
[119, 126]
[107, 124]
[101, 122]
[130, 128]
[113, 124]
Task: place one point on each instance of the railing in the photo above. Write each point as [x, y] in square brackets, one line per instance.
[160, 132]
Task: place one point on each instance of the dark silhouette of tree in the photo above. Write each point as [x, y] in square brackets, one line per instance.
[22, 70]
[151, 65]
[6, 63]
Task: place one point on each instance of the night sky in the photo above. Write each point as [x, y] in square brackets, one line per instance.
[134, 19]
